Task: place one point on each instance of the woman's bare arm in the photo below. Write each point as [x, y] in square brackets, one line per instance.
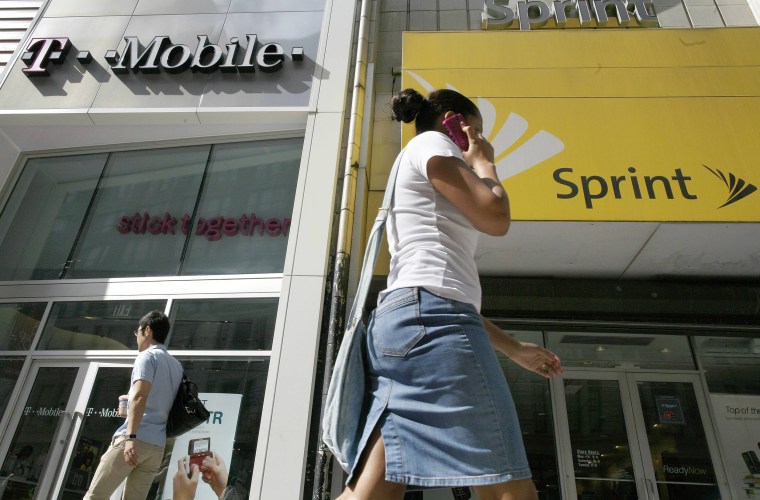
[473, 189]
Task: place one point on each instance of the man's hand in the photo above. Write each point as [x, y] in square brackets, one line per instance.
[130, 452]
[184, 487]
[139, 398]
[215, 473]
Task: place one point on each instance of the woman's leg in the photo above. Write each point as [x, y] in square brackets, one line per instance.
[370, 483]
[521, 489]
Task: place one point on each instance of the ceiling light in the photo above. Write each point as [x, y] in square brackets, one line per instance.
[600, 348]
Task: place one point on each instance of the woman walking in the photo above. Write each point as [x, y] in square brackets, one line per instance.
[441, 412]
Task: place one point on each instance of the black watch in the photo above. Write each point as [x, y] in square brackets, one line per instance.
[130, 436]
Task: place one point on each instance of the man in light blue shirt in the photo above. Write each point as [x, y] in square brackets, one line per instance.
[137, 447]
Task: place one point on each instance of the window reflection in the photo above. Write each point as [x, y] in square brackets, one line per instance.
[135, 227]
[10, 369]
[195, 210]
[18, 325]
[95, 325]
[611, 350]
[43, 216]
[223, 324]
[731, 364]
[243, 218]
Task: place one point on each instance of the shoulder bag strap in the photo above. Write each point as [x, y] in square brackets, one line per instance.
[373, 245]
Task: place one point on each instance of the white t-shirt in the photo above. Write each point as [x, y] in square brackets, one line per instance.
[432, 244]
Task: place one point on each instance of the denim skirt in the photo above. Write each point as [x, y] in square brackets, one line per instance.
[439, 395]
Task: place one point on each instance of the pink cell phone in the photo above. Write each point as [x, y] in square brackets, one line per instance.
[453, 124]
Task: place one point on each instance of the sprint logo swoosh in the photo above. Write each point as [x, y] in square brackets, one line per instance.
[538, 148]
[737, 188]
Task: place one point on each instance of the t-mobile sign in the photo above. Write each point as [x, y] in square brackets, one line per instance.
[211, 227]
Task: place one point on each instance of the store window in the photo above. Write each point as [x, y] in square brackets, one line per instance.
[233, 391]
[10, 369]
[106, 325]
[611, 350]
[18, 324]
[195, 210]
[732, 368]
[44, 214]
[223, 324]
[243, 218]
[232, 385]
[731, 364]
[134, 227]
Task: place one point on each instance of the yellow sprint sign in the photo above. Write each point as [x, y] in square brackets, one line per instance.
[611, 135]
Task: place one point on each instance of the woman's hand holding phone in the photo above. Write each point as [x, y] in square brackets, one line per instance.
[475, 148]
[480, 153]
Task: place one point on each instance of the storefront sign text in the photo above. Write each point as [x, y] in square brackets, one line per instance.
[161, 55]
[668, 160]
[685, 470]
[533, 14]
[736, 411]
[588, 458]
[211, 227]
[595, 187]
[737, 420]
[43, 411]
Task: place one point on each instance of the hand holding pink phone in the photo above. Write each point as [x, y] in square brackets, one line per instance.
[453, 126]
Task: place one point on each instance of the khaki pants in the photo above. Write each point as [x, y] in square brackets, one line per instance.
[113, 469]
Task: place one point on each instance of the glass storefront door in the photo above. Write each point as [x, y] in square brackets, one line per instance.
[636, 435]
[99, 420]
[58, 433]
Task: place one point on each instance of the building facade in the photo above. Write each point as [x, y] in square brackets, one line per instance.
[219, 160]
[179, 156]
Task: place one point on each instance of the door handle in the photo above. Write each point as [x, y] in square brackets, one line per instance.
[64, 443]
[74, 416]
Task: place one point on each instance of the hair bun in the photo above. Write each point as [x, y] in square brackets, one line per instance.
[406, 105]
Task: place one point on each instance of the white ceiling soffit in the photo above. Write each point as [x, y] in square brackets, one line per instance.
[623, 250]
